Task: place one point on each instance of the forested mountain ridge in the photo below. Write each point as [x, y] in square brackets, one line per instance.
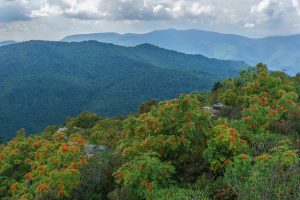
[44, 82]
[280, 53]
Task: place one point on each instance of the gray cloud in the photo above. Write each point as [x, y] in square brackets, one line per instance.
[275, 12]
[11, 10]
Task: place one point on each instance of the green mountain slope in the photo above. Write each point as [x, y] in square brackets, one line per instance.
[44, 82]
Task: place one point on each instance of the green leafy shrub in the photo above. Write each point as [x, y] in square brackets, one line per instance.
[122, 193]
[84, 120]
[175, 131]
[223, 145]
[288, 125]
[144, 173]
[39, 168]
[267, 176]
[146, 106]
[97, 180]
[106, 132]
[263, 142]
[176, 193]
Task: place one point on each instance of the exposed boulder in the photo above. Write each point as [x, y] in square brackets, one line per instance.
[92, 149]
[215, 109]
[218, 106]
[63, 129]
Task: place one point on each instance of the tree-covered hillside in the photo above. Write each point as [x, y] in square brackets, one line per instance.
[178, 149]
[44, 82]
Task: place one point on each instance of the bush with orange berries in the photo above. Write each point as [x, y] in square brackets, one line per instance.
[38, 168]
[175, 131]
[223, 146]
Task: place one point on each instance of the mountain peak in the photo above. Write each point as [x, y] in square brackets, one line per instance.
[147, 46]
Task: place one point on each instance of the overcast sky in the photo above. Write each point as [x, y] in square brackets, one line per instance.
[54, 19]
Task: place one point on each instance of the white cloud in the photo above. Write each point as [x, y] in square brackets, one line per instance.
[114, 9]
[296, 4]
[267, 10]
[88, 9]
[190, 9]
[275, 14]
[135, 9]
[46, 10]
[249, 25]
[263, 6]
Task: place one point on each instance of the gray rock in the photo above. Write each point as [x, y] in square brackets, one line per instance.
[63, 129]
[102, 148]
[218, 106]
[77, 128]
[215, 109]
[92, 149]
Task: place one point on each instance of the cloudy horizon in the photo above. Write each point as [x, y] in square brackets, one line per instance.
[54, 19]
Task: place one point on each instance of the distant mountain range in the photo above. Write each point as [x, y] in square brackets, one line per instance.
[280, 53]
[42, 82]
[7, 42]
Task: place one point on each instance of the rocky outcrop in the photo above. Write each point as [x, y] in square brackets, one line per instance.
[215, 109]
[92, 149]
[63, 129]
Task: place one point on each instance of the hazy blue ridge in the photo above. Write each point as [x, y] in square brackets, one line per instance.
[280, 53]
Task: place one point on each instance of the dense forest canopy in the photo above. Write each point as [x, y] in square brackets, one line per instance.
[174, 149]
[44, 82]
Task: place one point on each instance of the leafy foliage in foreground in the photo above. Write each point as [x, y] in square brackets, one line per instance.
[174, 149]
[176, 193]
[38, 168]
